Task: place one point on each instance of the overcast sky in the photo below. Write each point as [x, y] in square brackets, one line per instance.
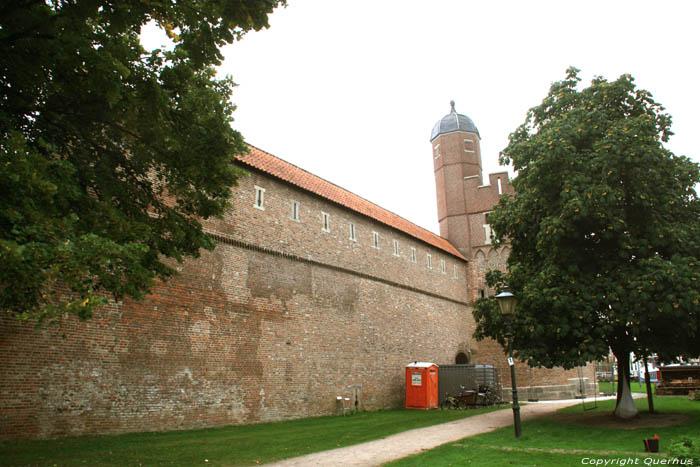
[350, 90]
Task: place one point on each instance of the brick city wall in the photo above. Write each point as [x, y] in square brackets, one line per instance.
[275, 323]
[274, 229]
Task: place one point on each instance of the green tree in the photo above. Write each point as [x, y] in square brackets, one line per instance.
[111, 155]
[605, 232]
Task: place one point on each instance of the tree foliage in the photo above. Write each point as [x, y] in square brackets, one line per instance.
[111, 155]
[604, 228]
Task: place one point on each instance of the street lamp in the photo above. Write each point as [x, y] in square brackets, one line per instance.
[506, 302]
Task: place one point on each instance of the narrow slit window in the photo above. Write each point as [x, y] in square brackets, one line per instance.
[430, 261]
[353, 236]
[259, 198]
[413, 255]
[375, 240]
[295, 211]
[454, 274]
[500, 187]
[396, 248]
[488, 233]
[443, 267]
[326, 227]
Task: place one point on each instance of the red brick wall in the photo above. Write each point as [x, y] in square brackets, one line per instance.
[452, 151]
[274, 323]
[273, 229]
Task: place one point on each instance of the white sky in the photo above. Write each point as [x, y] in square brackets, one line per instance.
[350, 90]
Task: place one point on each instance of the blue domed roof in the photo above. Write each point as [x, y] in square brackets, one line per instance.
[453, 122]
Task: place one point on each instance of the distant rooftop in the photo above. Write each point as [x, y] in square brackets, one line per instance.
[453, 122]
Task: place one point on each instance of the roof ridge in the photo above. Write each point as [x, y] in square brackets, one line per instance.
[334, 184]
[422, 233]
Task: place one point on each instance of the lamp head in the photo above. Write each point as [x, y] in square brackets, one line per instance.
[506, 302]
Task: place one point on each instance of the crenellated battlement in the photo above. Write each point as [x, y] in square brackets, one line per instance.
[482, 198]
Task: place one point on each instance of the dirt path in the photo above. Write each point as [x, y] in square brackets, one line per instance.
[404, 444]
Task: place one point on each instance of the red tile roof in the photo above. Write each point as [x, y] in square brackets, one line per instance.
[276, 167]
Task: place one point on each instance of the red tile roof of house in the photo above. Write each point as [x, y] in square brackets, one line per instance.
[278, 168]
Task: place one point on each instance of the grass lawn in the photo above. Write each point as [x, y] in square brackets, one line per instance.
[543, 441]
[238, 445]
[608, 387]
[468, 453]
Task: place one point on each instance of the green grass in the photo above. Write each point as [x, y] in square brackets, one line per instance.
[544, 435]
[238, 445]
[466, 453]
[608, 387]
[253, 444]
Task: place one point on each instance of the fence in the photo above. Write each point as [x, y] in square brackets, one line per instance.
[604, 372]
[532, 387]
[451, 378]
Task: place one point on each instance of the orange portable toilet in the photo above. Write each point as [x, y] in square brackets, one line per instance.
[421, 385]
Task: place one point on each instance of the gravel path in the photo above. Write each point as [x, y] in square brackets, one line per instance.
[404, 444]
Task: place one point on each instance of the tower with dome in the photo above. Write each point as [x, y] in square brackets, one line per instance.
[464, 199]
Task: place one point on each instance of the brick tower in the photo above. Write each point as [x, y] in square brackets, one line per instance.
[463, 199]
[456, 158]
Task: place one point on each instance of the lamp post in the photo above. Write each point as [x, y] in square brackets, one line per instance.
[506, 302]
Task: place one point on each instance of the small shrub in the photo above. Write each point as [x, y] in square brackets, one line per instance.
[686, 449]
[694, 395]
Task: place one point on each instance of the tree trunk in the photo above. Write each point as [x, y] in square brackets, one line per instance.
[625, 404]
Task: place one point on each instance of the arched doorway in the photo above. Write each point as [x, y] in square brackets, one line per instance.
[462, 358]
